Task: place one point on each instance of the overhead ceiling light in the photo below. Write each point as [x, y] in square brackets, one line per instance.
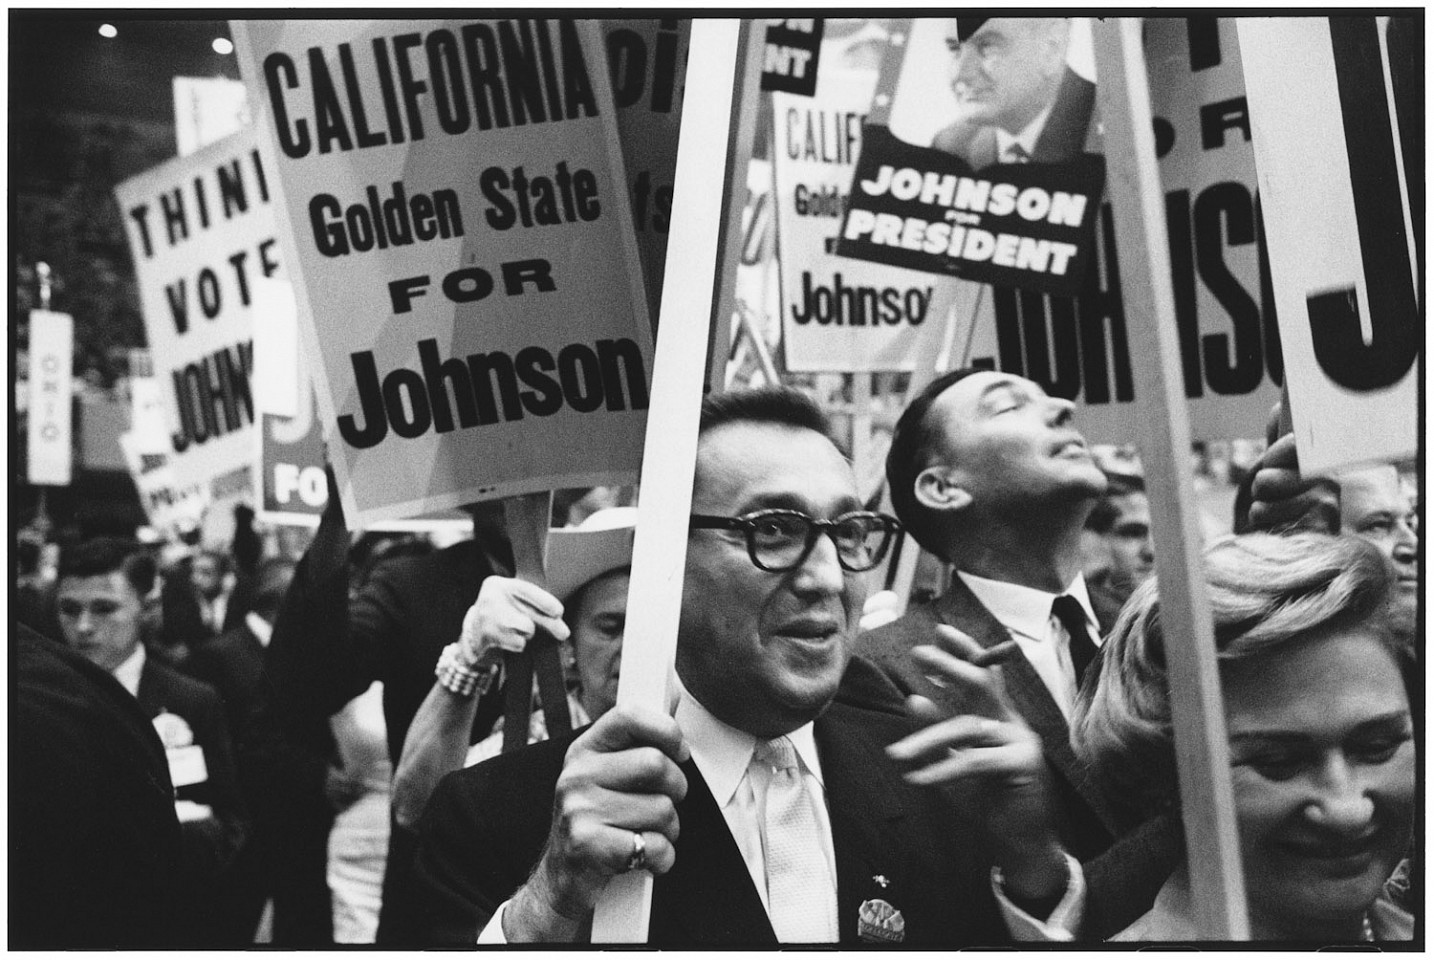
[108, 31]
[222, 45]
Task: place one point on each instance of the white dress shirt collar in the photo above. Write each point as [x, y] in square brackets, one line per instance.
[128, 672]
[261, 628]
[1026, 610]
[722, 752]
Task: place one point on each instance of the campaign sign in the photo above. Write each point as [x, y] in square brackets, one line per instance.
[647, 60]
[463, 254]
[201, 230]
[974, 163]
[169, 504]
[839, 314]
[52, 344]
[1079, 347]
[1013, 225]
[792, 53]
[1325, 103]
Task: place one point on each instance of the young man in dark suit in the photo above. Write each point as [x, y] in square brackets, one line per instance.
[768, 806]
[233, 664]
[99, 606]
[990, 474]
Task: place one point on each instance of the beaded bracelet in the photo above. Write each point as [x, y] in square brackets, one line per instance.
[456, 672]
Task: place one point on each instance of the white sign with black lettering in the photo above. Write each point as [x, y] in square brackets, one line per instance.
[1342, 246]
[52, 339]
[840, 314]
[463, 251]
[201, 231]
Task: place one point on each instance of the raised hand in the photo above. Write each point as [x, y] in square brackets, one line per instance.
[989, 759]
[506, 615]
[1284, 499]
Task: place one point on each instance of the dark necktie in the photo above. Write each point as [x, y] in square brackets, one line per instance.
[1068, 611]
[1015, 153]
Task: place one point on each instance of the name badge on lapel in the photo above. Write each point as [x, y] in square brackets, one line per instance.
[880, 922]
[186, 766]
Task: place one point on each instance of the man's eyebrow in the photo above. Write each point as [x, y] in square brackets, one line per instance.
[785, 500]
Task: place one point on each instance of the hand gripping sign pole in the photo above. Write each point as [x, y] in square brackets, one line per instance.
[713, 101]
[1201, 747]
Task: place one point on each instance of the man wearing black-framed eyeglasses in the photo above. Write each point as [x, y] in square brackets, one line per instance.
[781, 540]
[767, 806]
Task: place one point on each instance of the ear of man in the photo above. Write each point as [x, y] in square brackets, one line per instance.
[937, 488]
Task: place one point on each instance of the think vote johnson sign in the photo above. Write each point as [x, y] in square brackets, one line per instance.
[463, 256]
[201, 230]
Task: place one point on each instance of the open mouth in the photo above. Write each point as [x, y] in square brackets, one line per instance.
[810, 631]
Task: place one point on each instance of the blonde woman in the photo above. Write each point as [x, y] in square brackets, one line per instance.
[1316, 689]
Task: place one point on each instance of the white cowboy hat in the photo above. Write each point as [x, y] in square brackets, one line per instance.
[600, 544]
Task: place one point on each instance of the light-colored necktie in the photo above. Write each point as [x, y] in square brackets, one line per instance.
[801, 897]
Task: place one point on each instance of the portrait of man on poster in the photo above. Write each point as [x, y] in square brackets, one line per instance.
[1018, 98]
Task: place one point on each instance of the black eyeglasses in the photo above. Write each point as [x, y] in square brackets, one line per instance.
[780, 540]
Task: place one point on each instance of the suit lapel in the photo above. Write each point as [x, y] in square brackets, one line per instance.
[959, 608]
[707, 897]
[984, 149]
[864, 809]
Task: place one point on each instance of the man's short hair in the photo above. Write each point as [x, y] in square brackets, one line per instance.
[910, 453]
[782, 406]
[102, 555]
[1105, 513]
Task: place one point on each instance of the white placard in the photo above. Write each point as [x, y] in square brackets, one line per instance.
[840, 314]
[1341, 244]
[52, 338]
[207, 109]
[201, 232]
[465, 270]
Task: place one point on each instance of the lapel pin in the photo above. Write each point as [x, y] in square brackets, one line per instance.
[881, 881]
[880, 922]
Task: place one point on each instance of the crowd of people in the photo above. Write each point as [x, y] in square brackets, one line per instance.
[219, 748]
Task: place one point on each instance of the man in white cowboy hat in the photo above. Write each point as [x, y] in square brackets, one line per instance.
[584, 607]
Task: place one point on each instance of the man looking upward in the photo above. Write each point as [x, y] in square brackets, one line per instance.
[990, 474]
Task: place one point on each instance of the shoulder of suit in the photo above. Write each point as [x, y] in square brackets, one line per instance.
[526, 765]
[917, 620]
[181, 689]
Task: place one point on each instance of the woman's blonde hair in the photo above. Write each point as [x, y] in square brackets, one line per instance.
[1267, 593]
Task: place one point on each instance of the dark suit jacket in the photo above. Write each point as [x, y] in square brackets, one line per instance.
[94, 847]
[1062, 138]
[233, 664]
[486, 826]
[210, 845]
[327, 650]
[1122, 877]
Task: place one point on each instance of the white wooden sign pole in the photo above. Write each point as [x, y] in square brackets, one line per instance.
[669, 455]
[1201, 745]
